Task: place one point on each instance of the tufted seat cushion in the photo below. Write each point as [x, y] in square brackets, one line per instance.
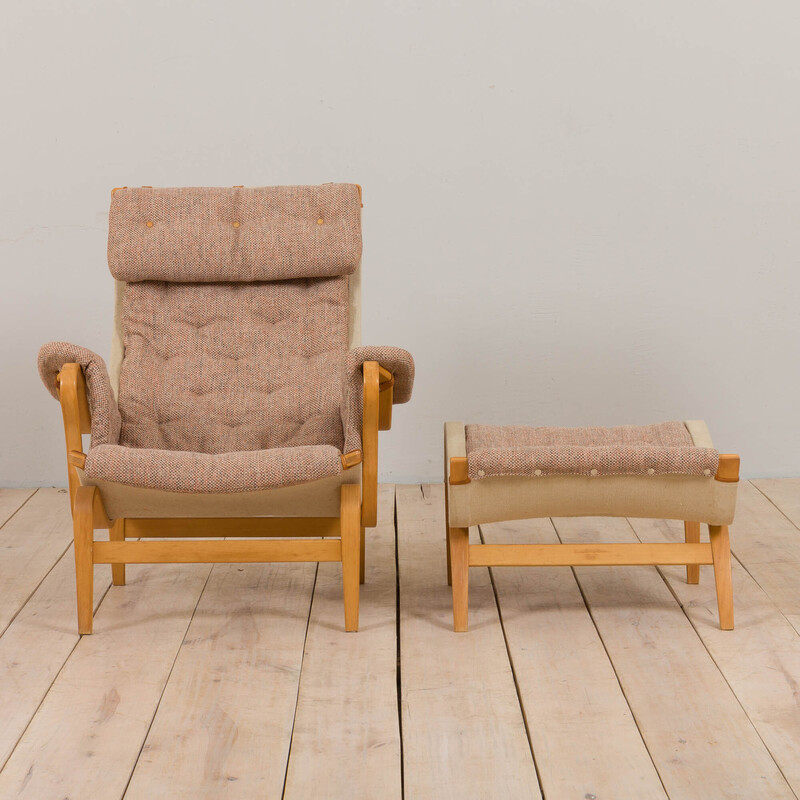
[203, 473]
[666, 448]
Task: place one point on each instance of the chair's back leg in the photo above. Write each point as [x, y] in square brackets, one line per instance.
[362, 574]
[692, 533]
[351, 552]
[116, 533]
[721, 553]
[83, 530]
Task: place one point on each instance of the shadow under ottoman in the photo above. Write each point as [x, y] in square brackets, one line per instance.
[665, 471]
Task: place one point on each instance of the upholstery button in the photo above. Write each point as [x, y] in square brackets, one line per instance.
[236, 224]
[320, 221]
[593, 472]
[481, 473]
[537, 472]
[651, 471]
[149, 223]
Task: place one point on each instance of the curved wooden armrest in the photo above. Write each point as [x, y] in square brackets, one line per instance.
[77, 420]
[385, 398]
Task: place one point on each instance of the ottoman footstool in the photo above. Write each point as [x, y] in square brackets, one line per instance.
[665, 471]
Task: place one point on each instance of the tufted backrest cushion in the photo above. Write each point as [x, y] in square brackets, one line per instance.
[234, 234]
[217, 368]
[233, 314]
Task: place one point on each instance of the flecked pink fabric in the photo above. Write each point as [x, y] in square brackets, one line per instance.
[661, 449]
[234, 234]
[398, 361]
[219, 368]
[105, 414]
[200, 472]
[235, 374]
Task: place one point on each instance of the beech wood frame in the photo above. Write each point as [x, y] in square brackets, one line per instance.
[461, 555]
[342, 538]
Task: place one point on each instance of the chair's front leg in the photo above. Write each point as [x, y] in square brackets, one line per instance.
[350, 522]
[83, 530]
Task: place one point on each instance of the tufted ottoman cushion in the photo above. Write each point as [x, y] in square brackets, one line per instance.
[662, 449]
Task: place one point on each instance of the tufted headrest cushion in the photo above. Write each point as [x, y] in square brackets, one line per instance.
[209, 235]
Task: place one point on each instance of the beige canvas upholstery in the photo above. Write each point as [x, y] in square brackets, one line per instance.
[682, 496]
[233, 369]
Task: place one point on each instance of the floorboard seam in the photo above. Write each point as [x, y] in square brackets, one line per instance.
[299, 680]
[614, 668]
[55, 678]
[35, 589]
[18, 509]
[166, 682]
[514, 674]
[776, 506]
[399, 667]
[719, 669]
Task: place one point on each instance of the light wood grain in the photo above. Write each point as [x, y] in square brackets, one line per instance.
[86, 736]
[36, 645]
[691, 533]
[232, 527]
[565, 555]
[463, 731]
[720, 547]
[369, 444]
[224, 724]
[692, 723]
[583, 733]
[31, 542]
[760, 658]
[188, 551]
[350, 552]
[346, 740]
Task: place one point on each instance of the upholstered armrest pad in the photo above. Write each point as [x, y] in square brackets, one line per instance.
[105, 414]
[398, 361]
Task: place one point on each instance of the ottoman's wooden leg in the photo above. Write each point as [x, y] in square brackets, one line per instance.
[721, 553]
[459, 571]
[692, 533]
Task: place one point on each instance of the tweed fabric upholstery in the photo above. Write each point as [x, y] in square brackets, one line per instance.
[398, 361]
[234, 234]
[663, 449]
[220, 368]
[105, 414]
[203, 473]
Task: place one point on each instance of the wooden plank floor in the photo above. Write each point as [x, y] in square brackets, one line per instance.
[238, 680]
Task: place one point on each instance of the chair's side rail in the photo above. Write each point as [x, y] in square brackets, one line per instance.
[77, 420]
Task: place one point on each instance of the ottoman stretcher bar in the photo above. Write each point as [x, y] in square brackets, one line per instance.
[665, 471]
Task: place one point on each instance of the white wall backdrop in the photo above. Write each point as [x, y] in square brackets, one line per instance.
[575, 212]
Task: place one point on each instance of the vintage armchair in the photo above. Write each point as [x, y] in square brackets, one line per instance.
[239, 401]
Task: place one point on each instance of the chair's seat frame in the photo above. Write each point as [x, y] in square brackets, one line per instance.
[339, 538]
